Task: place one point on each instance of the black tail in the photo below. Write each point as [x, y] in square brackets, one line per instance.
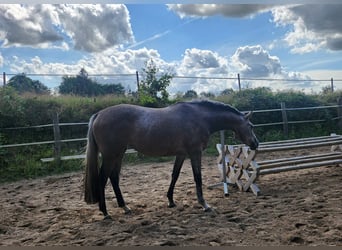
[91, 179]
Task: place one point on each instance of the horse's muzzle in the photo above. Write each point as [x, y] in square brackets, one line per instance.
[254, 145]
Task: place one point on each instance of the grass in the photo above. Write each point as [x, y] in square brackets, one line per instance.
[24, 163]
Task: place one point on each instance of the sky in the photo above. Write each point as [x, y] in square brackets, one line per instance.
[293, 46]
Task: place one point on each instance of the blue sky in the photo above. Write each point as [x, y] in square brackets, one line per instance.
[289, 42]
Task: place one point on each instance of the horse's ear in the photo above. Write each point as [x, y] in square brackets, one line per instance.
[248, 115]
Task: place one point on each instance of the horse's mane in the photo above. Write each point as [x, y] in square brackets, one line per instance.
[215, 105]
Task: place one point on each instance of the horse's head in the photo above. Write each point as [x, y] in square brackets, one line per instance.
[244, 131]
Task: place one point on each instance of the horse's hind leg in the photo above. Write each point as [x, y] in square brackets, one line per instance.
[103, 181]
[175, 174]
[115, 179]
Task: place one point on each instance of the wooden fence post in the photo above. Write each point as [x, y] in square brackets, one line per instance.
[285, 121]
[339, 111]
[138, 82]
[4, 78]
[57, 139]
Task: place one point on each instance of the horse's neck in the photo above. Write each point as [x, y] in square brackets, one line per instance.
[221, 121]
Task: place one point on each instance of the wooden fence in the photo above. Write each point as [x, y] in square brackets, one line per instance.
[58, 141]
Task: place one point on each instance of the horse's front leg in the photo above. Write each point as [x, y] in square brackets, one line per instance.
[196, 169]
[175, 174]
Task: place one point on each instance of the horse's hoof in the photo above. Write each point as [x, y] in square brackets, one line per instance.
[107, 217]
[127, 210]
[171, 205]
[208, 209]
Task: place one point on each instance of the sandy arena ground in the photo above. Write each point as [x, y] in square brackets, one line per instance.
[295, 208]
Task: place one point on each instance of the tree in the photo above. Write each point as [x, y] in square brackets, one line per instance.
[152, 90]
[207, 95]
[326, 90]
[21, 83]
[80, 85]
[227, 91]
[116, 89]
[84, 86]
[190, 94]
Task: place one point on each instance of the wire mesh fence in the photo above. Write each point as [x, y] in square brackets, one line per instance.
[214, 84]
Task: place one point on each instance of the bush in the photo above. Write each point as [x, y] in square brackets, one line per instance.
[11, 108]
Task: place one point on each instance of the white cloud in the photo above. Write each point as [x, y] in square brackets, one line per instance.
[25, 25]
[111, 61]
[314, 26]
[36, 66]
[326, 75]
[201, 59]
[90, 28]
[200, 63]
[256, 62]
[253, 62]
[249, 61]
[228, 10]
[95, 28]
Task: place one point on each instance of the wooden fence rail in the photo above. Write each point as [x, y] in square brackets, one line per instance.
[57, 142]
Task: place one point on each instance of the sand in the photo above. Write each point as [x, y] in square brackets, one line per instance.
[295, 208]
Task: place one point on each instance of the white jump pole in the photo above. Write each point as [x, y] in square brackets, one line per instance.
[224, 172]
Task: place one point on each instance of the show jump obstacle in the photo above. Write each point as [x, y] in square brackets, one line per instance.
[238, 164]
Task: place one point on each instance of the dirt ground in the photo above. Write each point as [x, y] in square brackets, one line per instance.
[295, 208]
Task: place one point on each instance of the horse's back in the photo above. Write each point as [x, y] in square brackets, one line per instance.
[152, 131]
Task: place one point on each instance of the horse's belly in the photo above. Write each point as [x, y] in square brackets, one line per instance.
[159, 148]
